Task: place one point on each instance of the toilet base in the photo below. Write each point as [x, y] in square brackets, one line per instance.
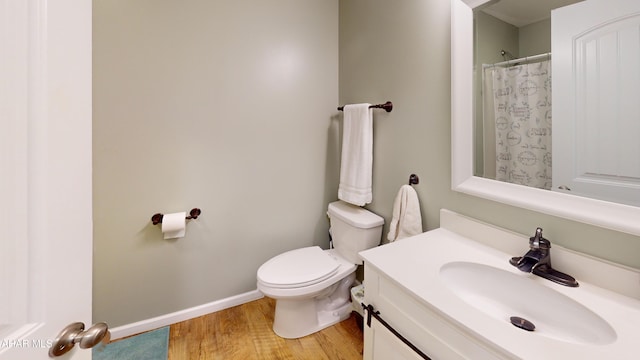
[301, 317]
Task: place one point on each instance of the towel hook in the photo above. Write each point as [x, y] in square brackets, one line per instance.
[414, 179]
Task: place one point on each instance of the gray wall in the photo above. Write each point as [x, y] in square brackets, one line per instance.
[535, 38]
[227, 106]
[230, 106]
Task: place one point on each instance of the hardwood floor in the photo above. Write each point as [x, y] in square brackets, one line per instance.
[244, 333]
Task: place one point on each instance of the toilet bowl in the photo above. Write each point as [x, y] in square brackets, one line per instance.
[311, 292]
[312, 286]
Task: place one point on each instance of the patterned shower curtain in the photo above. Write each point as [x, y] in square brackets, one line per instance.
[522, 108]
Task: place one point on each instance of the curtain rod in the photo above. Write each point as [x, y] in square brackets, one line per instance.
[388, 106]
[524, 59]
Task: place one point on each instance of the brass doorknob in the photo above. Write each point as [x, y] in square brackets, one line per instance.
[75, 334]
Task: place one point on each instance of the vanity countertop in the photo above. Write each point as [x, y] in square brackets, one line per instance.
[609, 290]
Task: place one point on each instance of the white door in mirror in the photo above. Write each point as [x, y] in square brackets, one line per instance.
[596, 52]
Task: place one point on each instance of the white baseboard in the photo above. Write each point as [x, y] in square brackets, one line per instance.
[182, 315]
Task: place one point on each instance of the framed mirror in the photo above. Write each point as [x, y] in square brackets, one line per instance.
[607, 214]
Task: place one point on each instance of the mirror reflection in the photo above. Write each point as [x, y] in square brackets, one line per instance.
[513, 97]
[513, 87]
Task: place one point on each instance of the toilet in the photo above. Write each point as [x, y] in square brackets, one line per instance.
[312, 286]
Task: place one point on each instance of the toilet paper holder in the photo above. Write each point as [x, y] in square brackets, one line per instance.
[193, 214]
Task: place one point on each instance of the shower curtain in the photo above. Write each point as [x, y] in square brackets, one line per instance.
[521, 105]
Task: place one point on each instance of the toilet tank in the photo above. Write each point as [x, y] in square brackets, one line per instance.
[353, 229]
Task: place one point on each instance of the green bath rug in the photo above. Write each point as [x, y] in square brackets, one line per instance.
[152, 345]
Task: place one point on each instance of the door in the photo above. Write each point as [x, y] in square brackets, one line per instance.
[45, 174]
[596, 113]
[384, 345]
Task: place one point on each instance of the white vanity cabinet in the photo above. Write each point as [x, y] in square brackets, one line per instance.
[415, 309]
[423, 326]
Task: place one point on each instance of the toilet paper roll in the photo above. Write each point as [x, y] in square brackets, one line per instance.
[173, 225]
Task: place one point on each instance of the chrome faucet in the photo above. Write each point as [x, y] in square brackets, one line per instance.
[538, 261]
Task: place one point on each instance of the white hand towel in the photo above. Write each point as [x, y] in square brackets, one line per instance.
[357, 155]
[406, 219]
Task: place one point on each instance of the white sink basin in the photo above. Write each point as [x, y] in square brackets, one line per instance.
[502, 295]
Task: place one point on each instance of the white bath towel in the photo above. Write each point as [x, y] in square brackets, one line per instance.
[357, 155]
[406, 218]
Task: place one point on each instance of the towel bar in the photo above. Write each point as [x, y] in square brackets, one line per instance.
[388, 106]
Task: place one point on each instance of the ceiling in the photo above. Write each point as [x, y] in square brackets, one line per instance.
[524, 12]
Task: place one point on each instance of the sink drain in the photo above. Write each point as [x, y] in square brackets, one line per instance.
[522, 323]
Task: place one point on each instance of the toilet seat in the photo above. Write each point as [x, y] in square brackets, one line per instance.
[298, 268]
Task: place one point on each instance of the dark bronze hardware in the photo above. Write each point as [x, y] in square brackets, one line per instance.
[538, 261]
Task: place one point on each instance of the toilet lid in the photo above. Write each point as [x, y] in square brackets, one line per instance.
[297, 268]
